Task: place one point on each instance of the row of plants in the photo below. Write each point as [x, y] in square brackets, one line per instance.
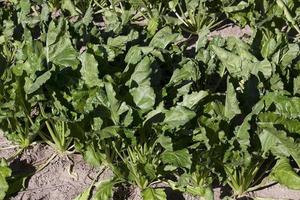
[138, 87]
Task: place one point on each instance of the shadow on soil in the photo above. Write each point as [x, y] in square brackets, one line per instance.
[21, 171]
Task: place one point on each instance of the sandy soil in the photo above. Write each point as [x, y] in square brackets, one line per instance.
[231, 30]
[63, 178]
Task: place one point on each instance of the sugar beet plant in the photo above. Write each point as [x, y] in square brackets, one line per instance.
[93, 78]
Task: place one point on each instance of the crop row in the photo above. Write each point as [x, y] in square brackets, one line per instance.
[138, 86]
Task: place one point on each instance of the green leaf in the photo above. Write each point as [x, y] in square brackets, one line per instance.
[291, 125]
[188, 71]
[285, 175]
[41, 80]
[191, 100]
[84, 195]
[244, 64]
[92, 157]
[173, 4]
[5, 172]
[104, 190]
[231, 61]
[205, 192]
[69, 6]
[143, 97]
[153, 25]
[287, 106]
[268, 48]
[165, 142]
[265, 67]
[297, 85]
[163, 37]
[59, 48]
[134, 55]
[89, 70]
[112, 102]
[242, 133]
[142, 71]
[108, 132]
[231, 103]
[154, 194]
[240, 6]
[118, 44]
[137, 3]
[292, 53]
[179, 158]
[279, 143]
[88, 16]
[62, 53]
[178, 116]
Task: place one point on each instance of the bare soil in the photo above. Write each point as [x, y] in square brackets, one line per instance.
[231, 30]
[53, 176]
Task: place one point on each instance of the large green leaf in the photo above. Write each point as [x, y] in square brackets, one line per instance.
[112, 102]
[231, 103]
[142, 71]
[242, 133]
[89, 70]
[92, 157]
[178, 116]
[69, 6]
[41, 80]
[285, 175]
[143, 97]
[163, 37]
[204, 192]
[5, 172]
[243, 66]
[279, 143]
[191, 100]
[154, 194]
[231, 61]
[104, 190]
[268, 48]
[118, 44]
[274, 119]
[287, 106]
[188, 71]
[62, 53]
[291, 54]
[179, 158]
